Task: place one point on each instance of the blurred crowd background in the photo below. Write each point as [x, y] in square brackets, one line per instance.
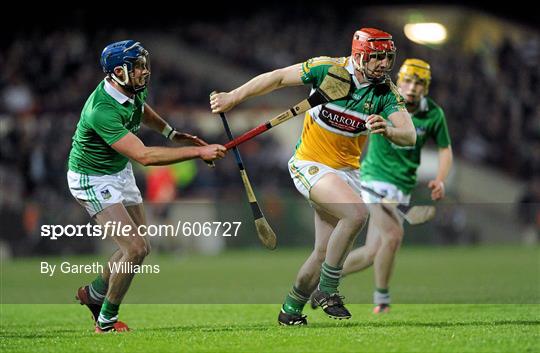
[486, 77]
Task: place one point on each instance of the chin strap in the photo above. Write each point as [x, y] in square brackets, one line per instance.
[124, 83]
[363, 70]
[357, 66]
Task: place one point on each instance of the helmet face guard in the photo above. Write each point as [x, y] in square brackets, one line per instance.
[416, 69]
[141, 63]
[373, 44]
[130, 56]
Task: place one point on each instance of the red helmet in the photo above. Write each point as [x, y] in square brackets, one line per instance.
[372, 43]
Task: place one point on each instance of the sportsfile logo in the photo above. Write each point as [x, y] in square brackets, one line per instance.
[118, 229]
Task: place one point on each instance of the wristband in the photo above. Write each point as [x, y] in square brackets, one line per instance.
[167, 131]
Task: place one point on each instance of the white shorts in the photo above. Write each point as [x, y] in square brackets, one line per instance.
[387, 190]
[97, 192]
[306, 174]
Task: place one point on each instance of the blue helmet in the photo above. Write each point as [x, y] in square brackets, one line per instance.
[125, 54]
[120, 53]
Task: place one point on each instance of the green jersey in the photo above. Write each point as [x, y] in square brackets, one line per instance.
[107, 116]
[397, 165]
[334, 133]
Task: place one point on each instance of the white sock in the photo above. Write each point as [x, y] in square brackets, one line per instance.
[381, 298]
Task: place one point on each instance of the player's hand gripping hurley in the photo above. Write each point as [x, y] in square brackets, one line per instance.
[264, 231]
[412, 214]
[336, 85]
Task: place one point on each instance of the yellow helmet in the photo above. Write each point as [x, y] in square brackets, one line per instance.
[418, 68]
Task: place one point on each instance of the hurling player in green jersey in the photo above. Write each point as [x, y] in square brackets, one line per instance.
[100, 176]
[390, 170]
[325, 164]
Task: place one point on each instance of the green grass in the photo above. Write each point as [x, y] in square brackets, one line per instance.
[252, 328]
[452, 275]
[477, 299]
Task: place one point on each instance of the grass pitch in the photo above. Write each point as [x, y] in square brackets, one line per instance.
[252, 328]
[447, 300]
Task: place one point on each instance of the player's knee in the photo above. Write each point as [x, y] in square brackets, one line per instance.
[393, 237]
[357, 216]
[396, 233]
[137, 252]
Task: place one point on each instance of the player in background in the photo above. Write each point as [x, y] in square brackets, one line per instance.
[100, 176]
[390, 170]
[325, 166]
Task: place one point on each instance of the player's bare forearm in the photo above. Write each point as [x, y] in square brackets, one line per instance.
[132, 147]
[445, 163]
[152, 119]
[403, 132]
[268, 82]
[257, 86]
[167, 155]
[446, 158]
[401, 136]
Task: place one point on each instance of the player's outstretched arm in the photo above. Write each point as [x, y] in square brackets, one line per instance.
[132, 147]
[445, 164]
[257, 86]
[157, 123]
[152, 119]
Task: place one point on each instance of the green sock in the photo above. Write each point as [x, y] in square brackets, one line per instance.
[295, 301]
[98, 289]
[329, 280]
[108, 314]
[382, 290]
